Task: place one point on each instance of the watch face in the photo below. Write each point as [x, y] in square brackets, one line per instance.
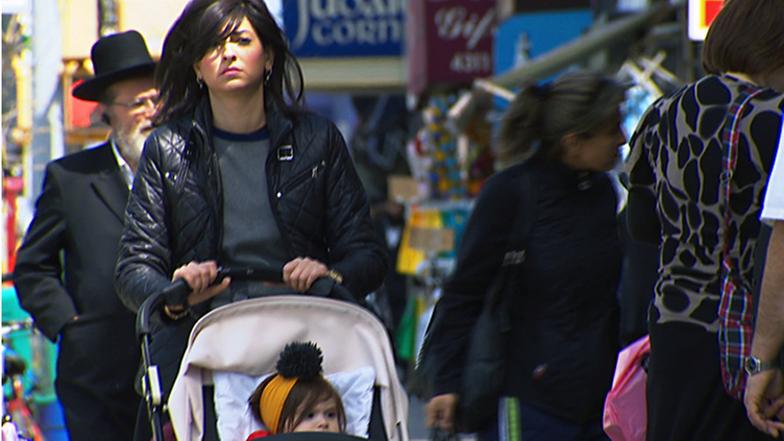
[754, 365]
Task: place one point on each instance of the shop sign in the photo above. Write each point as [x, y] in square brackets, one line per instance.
[549, 5]
[701, 15]
[344, 28]
[523, 37]
[449, 42]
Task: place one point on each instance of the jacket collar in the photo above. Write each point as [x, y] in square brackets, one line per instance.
[565, 177]
[278, 124]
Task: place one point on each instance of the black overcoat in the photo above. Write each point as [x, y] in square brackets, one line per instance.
[64, 269]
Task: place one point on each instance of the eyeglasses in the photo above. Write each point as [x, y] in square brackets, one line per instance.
[137, 104]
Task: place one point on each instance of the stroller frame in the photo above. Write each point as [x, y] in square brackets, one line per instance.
[270, 326]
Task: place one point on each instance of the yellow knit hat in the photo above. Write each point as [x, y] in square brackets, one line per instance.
[272, 400]
[297, 361]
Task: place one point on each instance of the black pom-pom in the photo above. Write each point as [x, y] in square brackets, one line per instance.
[300, 360]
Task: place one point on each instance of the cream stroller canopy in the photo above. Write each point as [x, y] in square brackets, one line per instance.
[247, 337]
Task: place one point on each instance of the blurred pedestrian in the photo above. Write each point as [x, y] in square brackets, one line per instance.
[564, 313]
[378, 149]
[238, 175]
[65, 266]
[700, 203]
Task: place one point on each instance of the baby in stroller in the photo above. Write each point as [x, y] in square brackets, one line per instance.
[232, 352]
[297, 398]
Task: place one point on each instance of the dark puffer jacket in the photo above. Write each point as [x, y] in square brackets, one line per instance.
[174, 214]
[565, 315]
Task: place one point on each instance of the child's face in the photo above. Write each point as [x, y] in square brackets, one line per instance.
[321, 418]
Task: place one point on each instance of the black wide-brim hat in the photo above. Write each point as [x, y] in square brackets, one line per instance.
[115, 57]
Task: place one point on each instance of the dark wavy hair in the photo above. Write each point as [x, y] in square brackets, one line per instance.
[540, 115]
[204, 24]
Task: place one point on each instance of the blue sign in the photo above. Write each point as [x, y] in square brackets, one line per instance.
[344, 28]
[529, 35]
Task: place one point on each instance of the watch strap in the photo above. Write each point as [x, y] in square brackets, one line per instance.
[754, 365]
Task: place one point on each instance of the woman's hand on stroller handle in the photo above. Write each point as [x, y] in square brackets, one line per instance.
[300, 273]
[202, 278]
[200, 281]
[197, 282]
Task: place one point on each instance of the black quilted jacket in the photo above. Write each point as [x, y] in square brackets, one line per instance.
[174, 214]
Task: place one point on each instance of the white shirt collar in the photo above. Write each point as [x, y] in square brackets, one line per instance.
[127, 173]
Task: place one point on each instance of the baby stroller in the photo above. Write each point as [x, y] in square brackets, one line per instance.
[232, 347]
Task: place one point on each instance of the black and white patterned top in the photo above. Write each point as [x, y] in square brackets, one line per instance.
[674, 171]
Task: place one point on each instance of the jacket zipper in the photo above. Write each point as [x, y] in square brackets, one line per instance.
[276, 195]
[273, 196]
[310, 173]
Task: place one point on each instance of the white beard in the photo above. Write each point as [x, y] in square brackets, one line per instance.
[131, 145]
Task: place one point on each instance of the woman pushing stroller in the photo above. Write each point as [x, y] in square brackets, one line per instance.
[237, 173]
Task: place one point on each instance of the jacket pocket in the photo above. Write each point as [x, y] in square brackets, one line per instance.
[311, 173]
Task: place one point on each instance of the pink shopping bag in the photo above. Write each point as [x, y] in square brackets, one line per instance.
[625, 415]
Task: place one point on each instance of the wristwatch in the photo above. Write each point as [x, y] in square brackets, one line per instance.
[754, 365]
[336, 276]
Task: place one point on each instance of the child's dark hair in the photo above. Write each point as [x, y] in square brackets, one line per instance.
[302, 363]
[304, 395]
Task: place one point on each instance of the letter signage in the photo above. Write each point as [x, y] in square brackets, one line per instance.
[344, 28]
[449, 42]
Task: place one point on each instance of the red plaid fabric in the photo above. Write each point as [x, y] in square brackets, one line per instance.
[736, 311]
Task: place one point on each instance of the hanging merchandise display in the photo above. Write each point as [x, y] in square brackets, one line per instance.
[431, 236]
[427, 255]
[449, 166]
[437, 145]
[453, 165]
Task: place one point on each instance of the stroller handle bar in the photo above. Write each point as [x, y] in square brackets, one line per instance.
[174, 294]
[177, 292]
[274, 275]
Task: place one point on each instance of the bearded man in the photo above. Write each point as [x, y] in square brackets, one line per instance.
[65, 266]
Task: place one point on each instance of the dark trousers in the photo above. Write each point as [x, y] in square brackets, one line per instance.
[94, 383]
[537, 425]
[89, 417]
[686, 399]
